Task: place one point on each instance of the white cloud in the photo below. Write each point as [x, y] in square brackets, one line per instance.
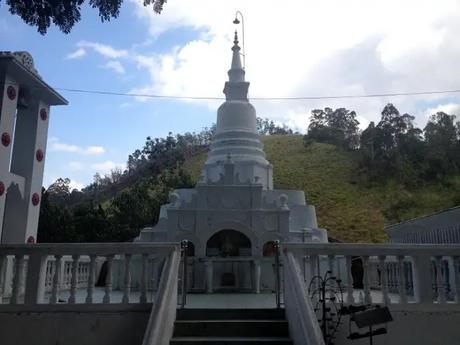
[449, 108]
[94, 150]
[103, 49]
[105, 167]
[311, 48]
[75, 185]
[80, 52]
[115, 66]
[62, 147]
[58, 146]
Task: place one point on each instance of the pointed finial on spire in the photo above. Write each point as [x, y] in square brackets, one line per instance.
[235, 40]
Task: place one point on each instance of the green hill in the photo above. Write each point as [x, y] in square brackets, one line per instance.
[351, 210]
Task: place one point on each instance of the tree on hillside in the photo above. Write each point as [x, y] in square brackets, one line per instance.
[442, 138]
[66, 13]
[338, 127]
[393, 148]
[268, 127]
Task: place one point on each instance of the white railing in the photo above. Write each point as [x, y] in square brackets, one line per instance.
[161, 322]
[40, 273]
[301, 316]
[396, 273]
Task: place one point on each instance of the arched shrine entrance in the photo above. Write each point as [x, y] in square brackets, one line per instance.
[228, 253]
[228, 243]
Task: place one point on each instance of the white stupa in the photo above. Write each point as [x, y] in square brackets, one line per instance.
[234, 210]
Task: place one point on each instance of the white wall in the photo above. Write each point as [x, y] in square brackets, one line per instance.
[73, 328]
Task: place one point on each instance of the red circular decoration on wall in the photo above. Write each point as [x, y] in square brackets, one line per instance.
[43, 114]
[35, 199]
[39, 155]
[30, 240]
[6, 139]
[2, 188]
[11, 92]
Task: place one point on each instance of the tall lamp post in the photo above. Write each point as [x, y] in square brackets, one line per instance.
[236, 22]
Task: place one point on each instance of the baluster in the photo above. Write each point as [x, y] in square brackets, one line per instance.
[456, 289]
[18, 278]
[367, 291]
[383, 280]
[108, 280]
[401, 280]
[91, 277]
[330, 261]
[440, 288]
[350, 297]
[127, 280]
[313, 273]
[388, 270]
[73, 279]
[56, 279]
[143, 297]
[3, 263]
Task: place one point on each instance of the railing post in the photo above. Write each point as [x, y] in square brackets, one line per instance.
[277, 272]
[423, 291]
[127, 279]
[143, 296]
[3, 263]
[440, 288]
[257, 273]
[384, 279]
[456, 268]
[56, 279]
[91, 278]
[35, 280]
[401, 280]
[366, 283]
[209, 275]
[108, 280]
[350, 297]
[184, 249]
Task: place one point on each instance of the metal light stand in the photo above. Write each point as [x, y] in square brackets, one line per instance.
[184, 250]
[236, 22]
[276, 246]
[327, 292]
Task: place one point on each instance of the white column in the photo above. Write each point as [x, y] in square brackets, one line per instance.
[209, 276]
[9, 92]
[257, 273]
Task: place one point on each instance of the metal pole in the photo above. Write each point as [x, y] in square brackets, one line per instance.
[277, 269]
[184, 246]
[242, 27]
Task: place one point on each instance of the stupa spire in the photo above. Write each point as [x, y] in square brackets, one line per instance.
[236, 69]
[236, 88]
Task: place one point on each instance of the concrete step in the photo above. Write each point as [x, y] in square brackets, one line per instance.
[229, 314]
[228, 328]
[231, 341]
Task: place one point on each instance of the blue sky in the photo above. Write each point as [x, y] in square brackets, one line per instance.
[302, 48]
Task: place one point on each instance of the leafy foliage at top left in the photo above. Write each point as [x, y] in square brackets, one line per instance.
[66, 13]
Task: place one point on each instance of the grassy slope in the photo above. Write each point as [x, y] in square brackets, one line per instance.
[350, 211]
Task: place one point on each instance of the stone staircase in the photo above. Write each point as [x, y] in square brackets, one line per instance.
[231, 327]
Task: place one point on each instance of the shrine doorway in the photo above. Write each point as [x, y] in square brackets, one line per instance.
[231, 272]
[227, 243]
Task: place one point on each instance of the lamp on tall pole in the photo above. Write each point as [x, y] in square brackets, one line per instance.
[236, 22]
